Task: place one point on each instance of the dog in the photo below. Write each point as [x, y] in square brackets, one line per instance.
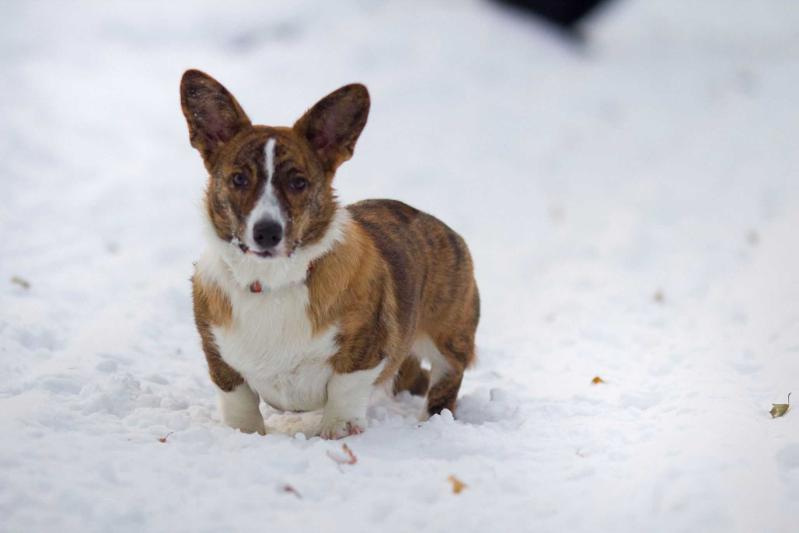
[307, 304]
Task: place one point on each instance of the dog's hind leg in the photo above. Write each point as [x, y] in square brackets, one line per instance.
[455, 353]
[412, 377]
[448, 357]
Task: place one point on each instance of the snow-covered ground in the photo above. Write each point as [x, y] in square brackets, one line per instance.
[633, 210]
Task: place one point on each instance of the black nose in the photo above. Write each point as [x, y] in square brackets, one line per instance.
[267, 233]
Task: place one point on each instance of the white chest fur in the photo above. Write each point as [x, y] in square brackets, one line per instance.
[271, 343]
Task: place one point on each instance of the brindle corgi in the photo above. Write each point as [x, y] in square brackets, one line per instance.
[307, 304]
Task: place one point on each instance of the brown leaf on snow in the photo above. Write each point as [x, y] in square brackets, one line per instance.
[291, 490]
[779, 409]
[163, 439]
[22, 282]
[349, 459]
[597, 380]
[457, 485]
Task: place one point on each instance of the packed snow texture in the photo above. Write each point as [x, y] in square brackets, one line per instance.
[632, 206]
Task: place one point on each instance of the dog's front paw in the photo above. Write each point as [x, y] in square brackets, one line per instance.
[337, 428]
[252, 425]
[239, 409]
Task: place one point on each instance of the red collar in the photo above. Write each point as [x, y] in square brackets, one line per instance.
[255, 286]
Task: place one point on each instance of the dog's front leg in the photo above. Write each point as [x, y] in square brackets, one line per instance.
[239, 409]
[238, 403]
[347, 400]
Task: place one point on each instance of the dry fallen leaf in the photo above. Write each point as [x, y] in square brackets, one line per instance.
[350, 458]
[457, 484]
[291, 490]
[659, 297]
[22, 282]
[779, 409]
[163, 439]
[597, 380]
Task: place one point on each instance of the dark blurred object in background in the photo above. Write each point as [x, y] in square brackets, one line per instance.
[563, 13]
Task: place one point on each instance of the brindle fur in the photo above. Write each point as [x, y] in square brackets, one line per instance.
[432, 286]
[398, 274]
[212, 308]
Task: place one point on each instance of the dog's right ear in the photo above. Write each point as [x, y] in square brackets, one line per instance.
[213, 115]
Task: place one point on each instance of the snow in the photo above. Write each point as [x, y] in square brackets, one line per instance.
[632, 207]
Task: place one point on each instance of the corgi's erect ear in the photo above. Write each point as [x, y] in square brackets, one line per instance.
[213, 115]
[333, 125]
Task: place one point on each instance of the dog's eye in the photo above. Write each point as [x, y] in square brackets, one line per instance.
[239, 180]
[297, 184]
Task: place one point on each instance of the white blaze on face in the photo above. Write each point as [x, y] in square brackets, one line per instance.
[268, 205]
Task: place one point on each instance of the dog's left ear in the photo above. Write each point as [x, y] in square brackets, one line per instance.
[333, 125]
